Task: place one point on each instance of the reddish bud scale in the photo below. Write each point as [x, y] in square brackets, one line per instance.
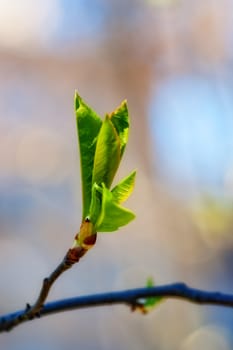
[74, 254]
[77, 251]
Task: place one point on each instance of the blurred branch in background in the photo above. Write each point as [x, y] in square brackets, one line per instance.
[135, 298]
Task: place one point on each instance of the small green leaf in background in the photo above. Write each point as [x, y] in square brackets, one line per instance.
[150, 303]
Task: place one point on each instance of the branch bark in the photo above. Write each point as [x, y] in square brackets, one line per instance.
[132, 298]
[30, 312]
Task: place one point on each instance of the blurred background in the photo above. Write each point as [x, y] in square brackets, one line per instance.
[173, 61]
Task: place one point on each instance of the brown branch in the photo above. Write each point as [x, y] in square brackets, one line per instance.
[33, 311]
[30, 312]
[135, 298]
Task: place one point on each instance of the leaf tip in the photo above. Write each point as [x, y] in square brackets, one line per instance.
[77, 100]
[124, 104]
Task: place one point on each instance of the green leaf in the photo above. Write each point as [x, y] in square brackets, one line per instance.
[124, 188]
[120, 120]
[107, 155]
[151, 302]
[112, 215]
[88, 125]
[96, 200]
[102, 145]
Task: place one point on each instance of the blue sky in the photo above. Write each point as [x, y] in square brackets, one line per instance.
[192, 128]
[81, 19]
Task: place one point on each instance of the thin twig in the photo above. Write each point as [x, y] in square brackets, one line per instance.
[72, 256]
[132, 298]
[30, 312]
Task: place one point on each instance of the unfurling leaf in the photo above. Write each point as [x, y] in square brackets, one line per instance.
[107, 154]
[124, 188]
[96, 201]
[112, 215]
[102, 145]
[88, 126]
[120, 120]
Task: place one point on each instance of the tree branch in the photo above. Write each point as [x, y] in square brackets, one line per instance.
[132, 297]
[30, 312]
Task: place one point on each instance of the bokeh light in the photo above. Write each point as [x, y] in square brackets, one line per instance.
[172, 60]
